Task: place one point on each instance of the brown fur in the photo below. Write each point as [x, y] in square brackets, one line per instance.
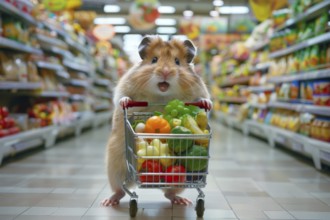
[140, 84]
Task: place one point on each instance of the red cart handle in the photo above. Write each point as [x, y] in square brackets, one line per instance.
[199, 104]
[131, 104]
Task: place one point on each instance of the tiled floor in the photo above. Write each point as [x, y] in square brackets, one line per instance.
[247, 180]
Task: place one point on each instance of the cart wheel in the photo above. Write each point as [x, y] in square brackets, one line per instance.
[200, 208]
[133, 207]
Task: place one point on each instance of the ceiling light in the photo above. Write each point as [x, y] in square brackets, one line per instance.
[122, 29]
[180, 37]
[188, 13]
[166, 30]
[218, 3]
[165, 21]
[234, 10]
[111, 9]
[214, 13]
[166, 9]
[109, 21]
[132, 37]
[164, 37]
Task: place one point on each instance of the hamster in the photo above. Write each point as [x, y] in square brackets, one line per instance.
[165, 73]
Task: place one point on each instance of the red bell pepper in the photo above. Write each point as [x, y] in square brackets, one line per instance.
[150, 166]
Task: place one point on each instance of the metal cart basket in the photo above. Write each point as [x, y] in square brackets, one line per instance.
[153, 177]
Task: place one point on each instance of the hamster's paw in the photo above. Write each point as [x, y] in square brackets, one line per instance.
[114, 199]
[207, 103]
[124, 101]
[177, 200]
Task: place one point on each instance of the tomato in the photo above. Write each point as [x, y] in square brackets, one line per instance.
[175, 178]
[156, 124]
[150, 166]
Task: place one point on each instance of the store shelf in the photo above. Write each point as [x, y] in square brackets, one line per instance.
[233, 99]
[49, 66]
[14, 45]
[102, 118]
[260, 46]
[52, 41]
[76, 66]
[310, 42]
[58, 68]
[58, 30]
[102, 82]
[13, 144]
[54, 94]
[317, 150]
[15, 12]
[76, 45]
[58, 51]
[310, 13]
[261, 88]
[318, 110]
[310, 75]
[102, 107]
[78, 82]
[235, 81]
[19, 85]
[260, 67]
[258, 105]
[77, 97]
[105, 95]
[230, 120]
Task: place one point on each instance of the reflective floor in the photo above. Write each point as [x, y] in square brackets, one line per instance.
[247, 180]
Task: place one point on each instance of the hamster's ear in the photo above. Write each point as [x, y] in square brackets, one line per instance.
[191, 50]
[143, 46]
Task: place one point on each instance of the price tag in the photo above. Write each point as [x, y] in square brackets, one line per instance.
[325, 156]
[297, 146]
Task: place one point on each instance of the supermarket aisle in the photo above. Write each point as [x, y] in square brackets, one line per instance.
[248, 180]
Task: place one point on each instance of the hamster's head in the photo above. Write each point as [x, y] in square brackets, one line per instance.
[166, 68]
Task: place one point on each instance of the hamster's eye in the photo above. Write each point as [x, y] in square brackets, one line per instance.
[177, 61]
[154, 60]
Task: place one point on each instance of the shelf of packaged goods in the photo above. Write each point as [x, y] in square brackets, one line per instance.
[261, 88]
[76, 66]
[13, 11]
[238, 100]
[235, 81]
[314, 109]
[56, 29]
[51, 41]
[260, 46]
[13, 144]
[315, 149]
[310, 75]
[20, 85]
[14, 45]
[310, 42]
[260, 67]
[310, 13]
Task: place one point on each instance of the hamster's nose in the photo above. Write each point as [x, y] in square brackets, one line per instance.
[165, 71]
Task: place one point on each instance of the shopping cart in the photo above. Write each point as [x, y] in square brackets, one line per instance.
[155, 178]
